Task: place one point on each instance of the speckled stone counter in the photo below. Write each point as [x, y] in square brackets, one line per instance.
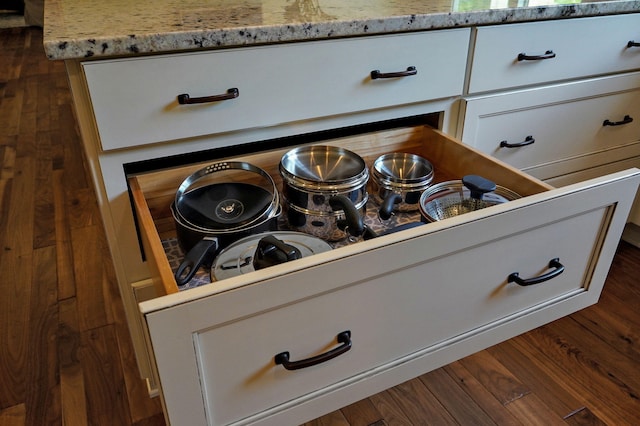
[86, 28]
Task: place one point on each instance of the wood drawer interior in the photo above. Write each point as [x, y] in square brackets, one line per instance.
[152, 193]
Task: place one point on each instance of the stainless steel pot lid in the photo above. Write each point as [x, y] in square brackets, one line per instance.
[257, 251]
[456, 197]
[323, 166]
[402, 169]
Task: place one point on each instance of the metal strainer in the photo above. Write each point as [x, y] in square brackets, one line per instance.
[456, 197]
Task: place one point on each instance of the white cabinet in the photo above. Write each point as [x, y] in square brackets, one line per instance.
[571, 111]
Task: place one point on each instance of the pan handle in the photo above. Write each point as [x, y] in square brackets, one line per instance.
[386, 208]
[353, 221]
[194, 259]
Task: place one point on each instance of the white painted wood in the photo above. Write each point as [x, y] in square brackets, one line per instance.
[566, 121]
[134, 99]
[412, 300]
[583, 47]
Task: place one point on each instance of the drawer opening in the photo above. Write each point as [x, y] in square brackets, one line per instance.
[153, 191]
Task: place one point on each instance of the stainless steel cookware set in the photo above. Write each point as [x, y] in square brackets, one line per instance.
[227, 214]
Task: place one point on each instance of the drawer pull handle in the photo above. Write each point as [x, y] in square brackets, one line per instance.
[626, 120]
[558, 268]
[527, 141]
[633, 43]
[376, 74]
[547, 55]
[344, 338]
[185, 99]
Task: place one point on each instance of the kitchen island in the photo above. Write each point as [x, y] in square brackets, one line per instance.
[287, 73]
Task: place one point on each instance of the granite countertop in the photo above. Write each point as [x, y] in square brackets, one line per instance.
[76, 29]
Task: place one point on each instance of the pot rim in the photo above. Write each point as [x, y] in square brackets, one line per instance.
[394, 182]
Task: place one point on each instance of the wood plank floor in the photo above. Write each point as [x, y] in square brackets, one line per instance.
[65, 352]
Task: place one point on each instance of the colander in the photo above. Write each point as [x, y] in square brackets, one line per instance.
[456, 197]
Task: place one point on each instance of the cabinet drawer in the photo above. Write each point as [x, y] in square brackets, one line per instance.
[411, 300]
[566, 123]
[330, 77]
[582, 47]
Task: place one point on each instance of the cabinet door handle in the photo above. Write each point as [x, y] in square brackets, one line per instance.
[527, 141]
[633, 43]
[558, 268]
[547, 55]
[376, 74]
[344, 338]
[185, 99]
[626, 120]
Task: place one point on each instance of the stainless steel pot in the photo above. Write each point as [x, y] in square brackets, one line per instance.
[456, 197]
[398, 180]
[324, 190]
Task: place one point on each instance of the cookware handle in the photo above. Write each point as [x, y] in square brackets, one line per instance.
[194, 259]
[478, 186]
[353, 222]
[527, 141]
[185, 99]
[633, 43]
[344, 338]
[386, 208]
[547, 55]
[272, 251]
[626, 120]
[376, 74]
[558, 268]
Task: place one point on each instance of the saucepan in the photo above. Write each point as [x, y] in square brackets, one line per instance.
[398, 180]
[218, 205]
[324, 190]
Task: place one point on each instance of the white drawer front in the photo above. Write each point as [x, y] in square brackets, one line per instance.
[582, 47]
[566, 123]
[135, 100]
[401, 297]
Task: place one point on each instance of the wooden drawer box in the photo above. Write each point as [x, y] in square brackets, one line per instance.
[412, 301]
[276, 84]
[582, 47]
[565, 121]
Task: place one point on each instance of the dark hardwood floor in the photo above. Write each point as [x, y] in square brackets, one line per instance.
[66, 355]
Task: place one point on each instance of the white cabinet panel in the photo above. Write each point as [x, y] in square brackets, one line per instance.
[582, 48]
[135, 99]
[565, 123]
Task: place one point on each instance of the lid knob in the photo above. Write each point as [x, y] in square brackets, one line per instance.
[478, 186]
[272, 251]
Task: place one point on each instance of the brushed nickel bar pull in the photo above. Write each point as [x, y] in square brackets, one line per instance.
[185, 99]
[376, 74]
[547, 55]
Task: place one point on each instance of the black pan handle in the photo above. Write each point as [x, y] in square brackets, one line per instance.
[195, 258]
[353, 223]
[633, 43]
[547, 55]
[344, 338]
[555, 264]
[527, 141]
[626, 120]
[386, 208]
[185, 99]
[376, 74]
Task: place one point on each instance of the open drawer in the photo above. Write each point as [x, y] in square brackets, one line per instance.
[410, 301]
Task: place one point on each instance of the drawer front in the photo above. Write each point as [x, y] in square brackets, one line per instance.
[582, 47]
[390, 313]
[565, 125]
[135, 100]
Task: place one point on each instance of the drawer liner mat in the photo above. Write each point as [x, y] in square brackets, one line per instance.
[175, 254]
